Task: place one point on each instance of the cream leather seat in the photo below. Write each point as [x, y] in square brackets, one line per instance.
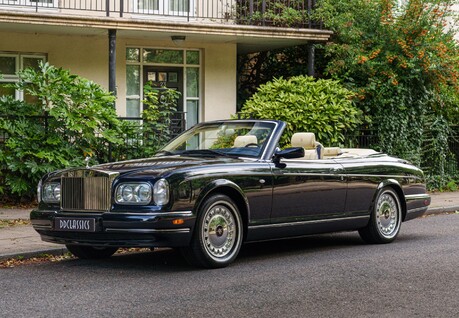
[330, 152]
[307, 140]
[242, 141]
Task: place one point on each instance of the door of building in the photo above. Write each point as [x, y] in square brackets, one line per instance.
[168, 77]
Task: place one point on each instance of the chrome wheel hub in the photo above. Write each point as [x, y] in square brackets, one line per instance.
[219, 231]
[387, 215]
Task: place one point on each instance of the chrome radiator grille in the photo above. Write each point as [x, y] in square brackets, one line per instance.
[86, 193]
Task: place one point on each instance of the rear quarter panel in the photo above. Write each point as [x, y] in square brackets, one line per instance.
[366, 175]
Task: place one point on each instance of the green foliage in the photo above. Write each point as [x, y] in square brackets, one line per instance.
[259, 68]
[255, 69]
[277, 13]
[402, 63]
[224, 141]
[160, 105]
[74, 118]
[320, 106]
[438, 163]
[435, 148]
[452, 185]
[442, 183]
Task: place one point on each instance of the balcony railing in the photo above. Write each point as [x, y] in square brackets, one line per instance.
[294, 13]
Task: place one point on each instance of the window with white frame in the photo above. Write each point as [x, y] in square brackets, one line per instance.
[140, 60]
[164, 7]
[34, 3]
[10, 65]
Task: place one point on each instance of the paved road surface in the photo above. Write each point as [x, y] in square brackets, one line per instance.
[319, 276]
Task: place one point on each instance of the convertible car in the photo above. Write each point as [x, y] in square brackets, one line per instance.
[223, 183]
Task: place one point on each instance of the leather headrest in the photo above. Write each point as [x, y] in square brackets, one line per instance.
[307, 140]
[242, 141]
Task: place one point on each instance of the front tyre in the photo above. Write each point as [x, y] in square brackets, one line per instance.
[385, 220]
[217, 238]
[91, 252]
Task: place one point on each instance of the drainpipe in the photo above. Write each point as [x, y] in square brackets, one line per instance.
[112, 62]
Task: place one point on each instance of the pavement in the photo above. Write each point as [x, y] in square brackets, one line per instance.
[23, 241]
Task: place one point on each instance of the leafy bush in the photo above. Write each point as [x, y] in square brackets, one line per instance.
[401, 60]
[278, 13]
[320, 106]
[160, 105]
[73, 118]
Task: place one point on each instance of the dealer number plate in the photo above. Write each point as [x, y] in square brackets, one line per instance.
[75, 224]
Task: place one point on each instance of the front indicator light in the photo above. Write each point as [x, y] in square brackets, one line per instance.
[178, 221]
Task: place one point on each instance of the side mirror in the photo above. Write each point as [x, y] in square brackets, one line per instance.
[288, 153]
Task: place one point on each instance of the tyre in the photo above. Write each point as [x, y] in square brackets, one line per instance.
[91, 252]
[385, 219]
[217, 236]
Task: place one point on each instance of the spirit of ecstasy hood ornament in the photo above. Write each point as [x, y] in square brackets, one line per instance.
[87, 161]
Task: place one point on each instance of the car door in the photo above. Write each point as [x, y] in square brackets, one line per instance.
[306, 190]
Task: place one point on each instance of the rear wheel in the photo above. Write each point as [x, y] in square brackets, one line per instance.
[91, 252]
[385, 220]
[217, 237]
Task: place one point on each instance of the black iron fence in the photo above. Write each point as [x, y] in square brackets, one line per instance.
[368, 138]
[139, 138]
[252, 12]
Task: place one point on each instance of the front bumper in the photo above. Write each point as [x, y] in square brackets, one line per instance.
[119, 229]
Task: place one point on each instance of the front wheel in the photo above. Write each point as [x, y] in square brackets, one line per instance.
[91, 252]
[217, 237]
[385, 220]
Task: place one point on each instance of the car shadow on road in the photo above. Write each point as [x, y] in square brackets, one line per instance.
[167, 260]
[170, 260]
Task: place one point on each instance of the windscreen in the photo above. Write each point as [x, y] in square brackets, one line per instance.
[241, 139]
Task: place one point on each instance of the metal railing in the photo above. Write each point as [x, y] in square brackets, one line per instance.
[368, 138]
[138, 140]
[294, 13]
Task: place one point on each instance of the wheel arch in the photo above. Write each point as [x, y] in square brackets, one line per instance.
[396, 186]
[234, 192]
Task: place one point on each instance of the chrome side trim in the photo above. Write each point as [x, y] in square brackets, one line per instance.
[308, 222]
[146, 231]
[154, 214]
[412, 197]
[314, 174]
[42, 227]
[416, 210]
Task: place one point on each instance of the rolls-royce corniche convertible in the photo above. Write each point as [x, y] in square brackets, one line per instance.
[223, 183]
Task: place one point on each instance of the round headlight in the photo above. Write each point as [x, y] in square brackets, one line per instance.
[161, 192]
[144, 192]
[133, 193]
[127, 193]
[57, 192]
[51, 192]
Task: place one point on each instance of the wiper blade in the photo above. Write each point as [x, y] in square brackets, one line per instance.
[164, 153]
[205, 152]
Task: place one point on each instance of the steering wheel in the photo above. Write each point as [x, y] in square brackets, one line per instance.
[252, 145]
